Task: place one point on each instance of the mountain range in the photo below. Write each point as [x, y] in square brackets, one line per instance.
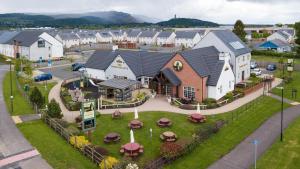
[92, 19]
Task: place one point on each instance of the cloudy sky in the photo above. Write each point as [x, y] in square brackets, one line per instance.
[221, 11]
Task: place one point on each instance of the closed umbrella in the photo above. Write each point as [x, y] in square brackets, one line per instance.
[136, 115]
[131, 137]
[198, 108]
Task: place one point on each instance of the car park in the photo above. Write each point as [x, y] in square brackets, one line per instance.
[256, 71]
[77, 67]
[43, 77]
[253, 65]
[271, 67]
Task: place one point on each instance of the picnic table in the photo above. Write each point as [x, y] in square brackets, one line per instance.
[132, 149]
[168, 136]
[112, 137]
[164, 122]
[135, 124]
[197, 118]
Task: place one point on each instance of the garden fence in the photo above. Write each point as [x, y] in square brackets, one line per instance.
[125, 105]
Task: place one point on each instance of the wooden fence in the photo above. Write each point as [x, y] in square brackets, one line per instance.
[124, 105]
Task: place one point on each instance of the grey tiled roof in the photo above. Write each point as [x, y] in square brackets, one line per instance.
[118, 83]
[280, 43]
[133, 33]
[228, 37]
[169, 74]
[5, 36]
[164, 34]
[185, 34]
[68, 36]
[148, 34]
[84, 35]
[283, 33]
[105, 34]
[27, 38]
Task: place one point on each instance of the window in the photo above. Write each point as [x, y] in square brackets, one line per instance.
[229, 84]
[221, 89]
[41, 43]
[189, 92]
[243, 58]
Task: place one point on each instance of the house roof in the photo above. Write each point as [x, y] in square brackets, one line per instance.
[68, 36]
[283, 33]
[276, 42]
[84, 35]
[232, 41]
[26, 38]
[205, 62]
[118, 83]
[186, 34]
[169, 74]
[148, 34]
[133, 33]
[164, 34]
[5, 36]
[105, 34]
[116, 32]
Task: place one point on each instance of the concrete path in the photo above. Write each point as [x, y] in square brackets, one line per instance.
[26, 118]
[242, 156]
[11, 139]
[160, 104]
[294, 103]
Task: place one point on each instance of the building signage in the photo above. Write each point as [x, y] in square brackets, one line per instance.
[88, 115]
[178, 65]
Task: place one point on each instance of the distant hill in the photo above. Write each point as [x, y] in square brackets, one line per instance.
[186, 22]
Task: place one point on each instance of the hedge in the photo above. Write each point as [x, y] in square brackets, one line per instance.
[275, 54]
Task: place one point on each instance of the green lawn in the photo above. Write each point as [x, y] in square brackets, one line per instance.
[21, 105]
[284, 155]
[56, 151]
[228, 137]
[271, 59]
[294, 84]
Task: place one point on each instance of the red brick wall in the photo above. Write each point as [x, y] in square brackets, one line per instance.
[188, 77]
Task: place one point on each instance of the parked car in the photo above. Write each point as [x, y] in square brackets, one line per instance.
[77, 66]
[43, 77]
[256, 71]
[271, 67]
[253, 65]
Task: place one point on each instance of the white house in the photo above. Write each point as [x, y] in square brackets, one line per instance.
[226, 41]
[282, 35]
[133, 36]
[148, 37]
[104, 37]
[187, 39]
[117, 35]
[5, 48]
[275, 45]
[86, 38]
[33, 45]
[166, 38]
[68, 39]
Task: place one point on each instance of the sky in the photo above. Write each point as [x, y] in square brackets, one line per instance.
[220, 11]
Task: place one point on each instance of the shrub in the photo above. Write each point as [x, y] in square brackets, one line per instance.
[252, 75]
[78, 119]
[229, 96]
[54, 110]
[187, 107]
[73, 130]
[211, 103]
[274, 54]
[170, 150]
[36, 97]
[61, 122]
[79, 141]
[108, 163]
[101, 150]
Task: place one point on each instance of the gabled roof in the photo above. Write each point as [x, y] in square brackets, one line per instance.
[185, 34]
[148, 34]
[84, 35]
[26, 38]
[119, 83]
[169, 74]
[284, 34]
[275, 42]
[5, 36]
[105, 34]
[68, 36]
[116, 32]
[164, 34]
[232, 41]
[133, 33]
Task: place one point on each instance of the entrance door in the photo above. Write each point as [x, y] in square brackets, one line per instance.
[243, 75]
[168, 90]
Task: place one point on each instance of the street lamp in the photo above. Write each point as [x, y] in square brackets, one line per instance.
[11, 92]
[281, 120]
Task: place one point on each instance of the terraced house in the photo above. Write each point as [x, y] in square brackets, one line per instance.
[168, 73]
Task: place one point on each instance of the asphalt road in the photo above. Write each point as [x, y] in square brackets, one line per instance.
[62, 72]
[12, 141]
[242, 156]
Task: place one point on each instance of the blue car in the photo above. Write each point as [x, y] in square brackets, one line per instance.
[271, 67]
[76, 67]
[43, 77]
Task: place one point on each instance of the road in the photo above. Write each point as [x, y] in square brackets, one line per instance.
[12, 142]
[242, 156]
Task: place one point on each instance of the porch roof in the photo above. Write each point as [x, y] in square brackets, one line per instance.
[118, 83]
[170, 75]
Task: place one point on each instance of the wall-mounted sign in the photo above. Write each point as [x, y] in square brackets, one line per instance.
[178, 65]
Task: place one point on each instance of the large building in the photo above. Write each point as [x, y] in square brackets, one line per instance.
[226, 41]
[168, 73]
[187, 39]
[68, 39]
[283, 35]
[33, 45]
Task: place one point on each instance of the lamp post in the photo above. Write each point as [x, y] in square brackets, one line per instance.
[11, 92]
[281, 120]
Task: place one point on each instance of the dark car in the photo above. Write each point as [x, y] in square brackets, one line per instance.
[77, 66]
[271, 67]
[43, 77]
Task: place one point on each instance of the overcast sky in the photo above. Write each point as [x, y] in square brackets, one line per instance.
[220, 11]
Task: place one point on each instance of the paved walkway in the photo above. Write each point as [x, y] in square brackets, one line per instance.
[291, 102]
[242, 156]
[160, 104]
[26, 118]
[12, 140]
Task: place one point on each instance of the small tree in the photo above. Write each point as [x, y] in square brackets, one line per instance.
[297, 41]
[36, 97]
[18, 65]
[239, 30]
[54, 110]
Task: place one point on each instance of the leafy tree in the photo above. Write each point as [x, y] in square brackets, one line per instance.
[18, 65]
[239, 30]
[297, 41]
[36, 97]
[54, 110]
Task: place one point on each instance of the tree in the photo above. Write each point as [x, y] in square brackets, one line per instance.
[54, 110]
[17, 65]
[297, 41]
[239, 30]
[36, 97]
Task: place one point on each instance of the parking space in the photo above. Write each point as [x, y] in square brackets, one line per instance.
[62, 72]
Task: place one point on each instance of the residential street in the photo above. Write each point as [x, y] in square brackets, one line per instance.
[12, 142]
[242, 156]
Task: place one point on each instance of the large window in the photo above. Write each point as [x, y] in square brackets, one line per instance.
[41, 43]
[189, 92]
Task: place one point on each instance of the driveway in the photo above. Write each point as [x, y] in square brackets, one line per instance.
[12, 142]
[242, 156]
[62, 72]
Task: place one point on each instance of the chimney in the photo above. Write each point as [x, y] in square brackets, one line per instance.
[224, 56]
